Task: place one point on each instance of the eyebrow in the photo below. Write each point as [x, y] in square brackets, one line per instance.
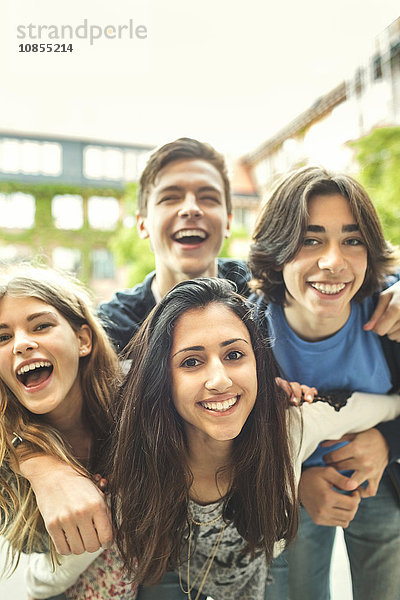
[345, 229]
[32, 317]
[179, 188]
[202, 348]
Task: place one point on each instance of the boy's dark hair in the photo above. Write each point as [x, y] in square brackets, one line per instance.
[181, 149]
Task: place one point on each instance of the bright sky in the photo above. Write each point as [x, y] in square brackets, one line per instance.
[223, 71]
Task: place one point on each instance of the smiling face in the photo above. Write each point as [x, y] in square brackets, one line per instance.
[214, 379]
[186, 220]
[328, 270]
[39, 356]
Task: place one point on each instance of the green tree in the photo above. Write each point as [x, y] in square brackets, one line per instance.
[378, 155]
[126, 245]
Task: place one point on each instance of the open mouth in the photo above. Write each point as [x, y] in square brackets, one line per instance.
[35, 373]
[190, 236]
[328, 288]
[220, 406]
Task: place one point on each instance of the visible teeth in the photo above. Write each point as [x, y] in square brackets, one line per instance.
[220, 406]
[190, 233]
[328, 288]
[33, 366]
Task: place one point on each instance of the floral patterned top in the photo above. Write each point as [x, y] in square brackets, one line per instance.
[103, 580]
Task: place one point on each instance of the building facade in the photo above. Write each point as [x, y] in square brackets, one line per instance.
[369, 98]
[61, 199]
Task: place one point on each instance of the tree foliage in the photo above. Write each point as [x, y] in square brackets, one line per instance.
[126, 245]
[378, 155]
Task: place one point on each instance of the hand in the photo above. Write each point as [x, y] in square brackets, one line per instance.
[367, 454]
[73, 508]
[386, 317]
[325, 505]
[296, 392]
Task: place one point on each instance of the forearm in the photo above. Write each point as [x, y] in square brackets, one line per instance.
[362, 412]
[43, 582]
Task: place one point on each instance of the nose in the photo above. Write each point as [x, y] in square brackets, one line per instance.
[23, 343]
[217, 378]
[190, 206]
[332, 258]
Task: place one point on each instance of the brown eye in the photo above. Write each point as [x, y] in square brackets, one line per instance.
[190, 363]
[234, 355]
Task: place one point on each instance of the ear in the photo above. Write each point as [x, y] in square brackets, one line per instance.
[228, 227]
[84, 335]
[141, 227]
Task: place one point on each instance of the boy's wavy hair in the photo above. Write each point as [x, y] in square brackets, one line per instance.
[282, 225]
[21, 522]
[151, 477]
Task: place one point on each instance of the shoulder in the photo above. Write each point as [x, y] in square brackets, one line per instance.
[126, 311]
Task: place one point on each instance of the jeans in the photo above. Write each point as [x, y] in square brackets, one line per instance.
[373, 546]
[167, 589]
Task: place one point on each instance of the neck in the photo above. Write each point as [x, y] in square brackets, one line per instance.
[73, 429]
[166, 279]
[209, 462]
[312, 327]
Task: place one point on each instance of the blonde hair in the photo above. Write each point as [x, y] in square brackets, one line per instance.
[99, 373]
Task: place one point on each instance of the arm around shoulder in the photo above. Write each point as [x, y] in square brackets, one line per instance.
[362, 411]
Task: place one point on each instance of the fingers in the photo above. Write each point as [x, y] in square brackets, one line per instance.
[102, 523]
[394, 334]
[371, 489]
[57, 534]
[100, 481]
[85, 530]
[296, 392]
[383, 302]
[338, 510]
[318, 492]
[385, 320]
[349, 437]
[308, 393]
[285, 385]
[358, 478]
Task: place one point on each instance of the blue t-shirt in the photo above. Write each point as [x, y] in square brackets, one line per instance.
[352, 359]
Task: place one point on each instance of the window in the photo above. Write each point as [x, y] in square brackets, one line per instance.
[395, 56]
[15, 253]
[377, 67]
[51, 159]
[358, 82]
[103, 266]
[67, 259]
[30, 157]
[112, 163]
[131, 166]
[103, 213]
[103, 163]
[17, 211]
[67, 211]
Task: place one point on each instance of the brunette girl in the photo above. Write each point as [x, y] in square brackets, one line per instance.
[208, 452]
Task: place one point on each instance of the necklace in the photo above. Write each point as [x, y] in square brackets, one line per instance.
[207, 563]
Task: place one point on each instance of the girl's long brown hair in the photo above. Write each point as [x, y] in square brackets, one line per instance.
[151, 478]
